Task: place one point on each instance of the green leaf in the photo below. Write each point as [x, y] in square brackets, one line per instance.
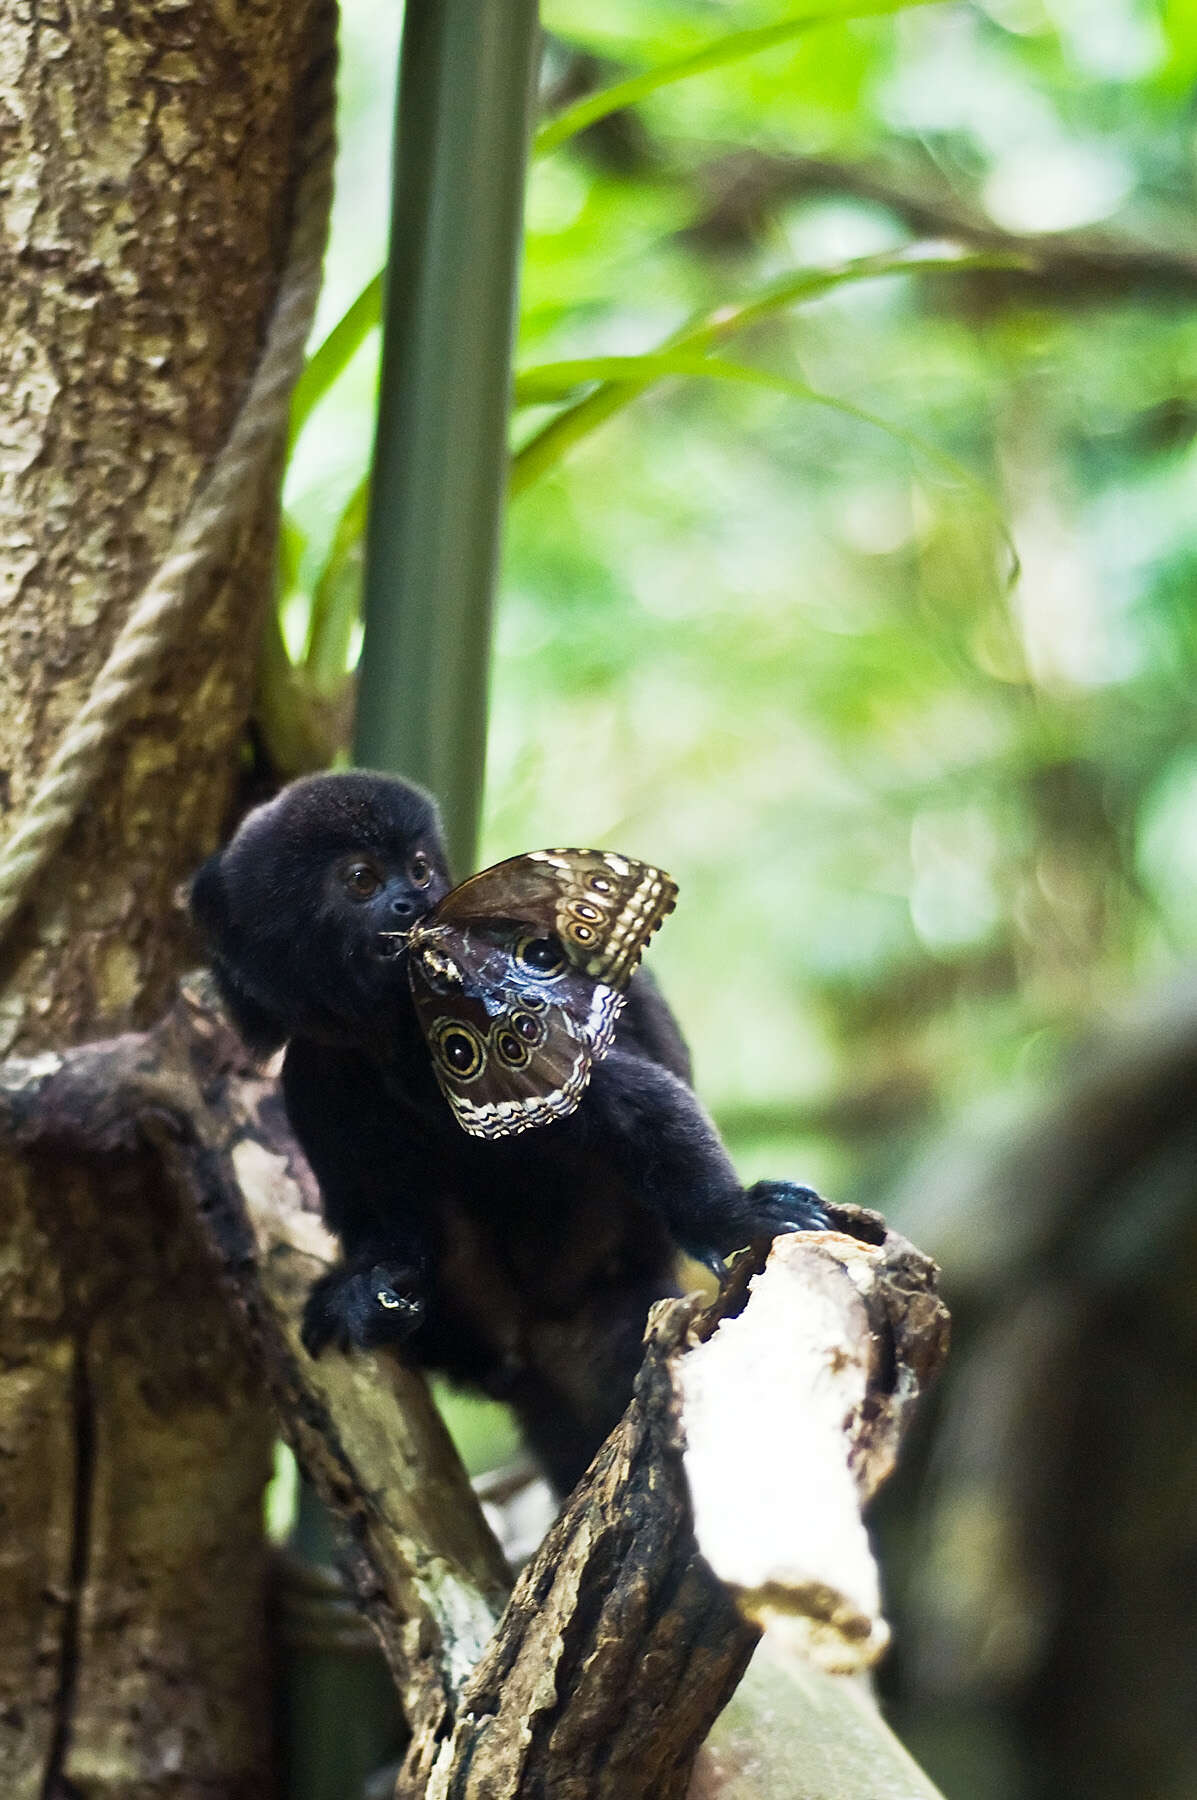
[291, 544]
[811, 284]
[336, 598]
[547, 383]
[733, 47]
[335, 353]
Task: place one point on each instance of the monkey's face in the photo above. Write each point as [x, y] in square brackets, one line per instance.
[307, 906]
[379, 896]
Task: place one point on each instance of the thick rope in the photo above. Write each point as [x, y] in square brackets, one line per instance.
[229, 494]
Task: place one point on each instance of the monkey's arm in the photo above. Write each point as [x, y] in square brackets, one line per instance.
[344, 1120]
[648, 1022]
[667, 1148]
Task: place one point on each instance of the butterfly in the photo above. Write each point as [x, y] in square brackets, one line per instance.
[518, 976]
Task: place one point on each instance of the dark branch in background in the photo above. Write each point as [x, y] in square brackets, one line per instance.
[604, 1671]
[1066, 1422]
[743, 189]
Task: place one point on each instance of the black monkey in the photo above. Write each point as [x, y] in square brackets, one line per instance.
[525, 1266]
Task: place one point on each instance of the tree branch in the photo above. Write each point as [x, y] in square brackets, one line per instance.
[769, 1417]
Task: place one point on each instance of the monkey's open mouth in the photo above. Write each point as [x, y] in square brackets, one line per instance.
[389, 944]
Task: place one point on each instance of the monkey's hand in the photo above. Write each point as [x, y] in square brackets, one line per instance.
[767, 1209]
[780, 1206]
[362, 1307]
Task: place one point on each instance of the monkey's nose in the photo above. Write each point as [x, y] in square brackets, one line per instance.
[403, 909]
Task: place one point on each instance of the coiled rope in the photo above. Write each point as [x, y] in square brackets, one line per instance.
[223, 501]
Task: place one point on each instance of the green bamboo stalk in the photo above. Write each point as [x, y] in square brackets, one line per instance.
[437, 490]
[463, 124]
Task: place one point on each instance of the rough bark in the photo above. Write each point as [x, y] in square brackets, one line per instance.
[147, 158]
[620, 1647]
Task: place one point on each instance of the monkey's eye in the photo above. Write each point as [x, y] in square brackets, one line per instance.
[420, 870]
[361, 880]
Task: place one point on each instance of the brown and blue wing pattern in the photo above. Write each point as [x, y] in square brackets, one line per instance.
[518, 979]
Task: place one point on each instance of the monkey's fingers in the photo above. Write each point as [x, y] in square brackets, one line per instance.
[778, 1207]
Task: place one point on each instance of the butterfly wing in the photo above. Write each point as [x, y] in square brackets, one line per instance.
[518, 978]
[603, 907]
[511, 1046]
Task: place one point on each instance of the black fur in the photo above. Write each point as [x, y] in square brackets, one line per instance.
[525, 1266]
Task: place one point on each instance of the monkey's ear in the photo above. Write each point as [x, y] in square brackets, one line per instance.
[262, 1030]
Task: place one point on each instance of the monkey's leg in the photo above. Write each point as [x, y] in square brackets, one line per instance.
[577, 1379]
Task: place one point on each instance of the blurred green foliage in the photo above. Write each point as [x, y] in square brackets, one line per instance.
[925, 818]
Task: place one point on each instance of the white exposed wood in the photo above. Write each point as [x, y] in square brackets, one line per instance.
[777, 1450]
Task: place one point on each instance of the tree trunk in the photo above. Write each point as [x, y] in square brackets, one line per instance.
[148, 157]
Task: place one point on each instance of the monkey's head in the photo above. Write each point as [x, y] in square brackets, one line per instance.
[301, 907]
